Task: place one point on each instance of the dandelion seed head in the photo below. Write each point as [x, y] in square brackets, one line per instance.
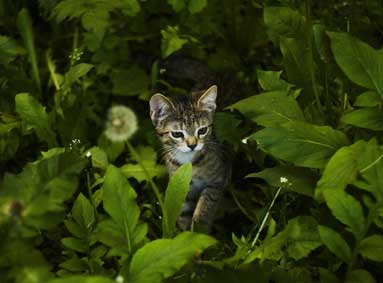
[121, 123]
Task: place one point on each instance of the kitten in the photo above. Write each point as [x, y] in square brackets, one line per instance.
[184, 125]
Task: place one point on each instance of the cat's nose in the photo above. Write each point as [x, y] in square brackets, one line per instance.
[192, 146]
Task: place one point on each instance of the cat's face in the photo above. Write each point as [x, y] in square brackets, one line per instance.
[184, 123]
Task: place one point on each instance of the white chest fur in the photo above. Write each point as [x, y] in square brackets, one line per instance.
[184, 157]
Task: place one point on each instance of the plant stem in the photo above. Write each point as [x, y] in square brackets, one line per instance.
[266, 217]
[153, 185]
[91, 199]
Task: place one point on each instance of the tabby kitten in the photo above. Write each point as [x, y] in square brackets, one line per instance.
[184, 124]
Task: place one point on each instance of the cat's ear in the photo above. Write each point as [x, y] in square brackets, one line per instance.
[207, 100]
[160, 107]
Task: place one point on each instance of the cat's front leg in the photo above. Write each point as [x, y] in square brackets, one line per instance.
[206, 208]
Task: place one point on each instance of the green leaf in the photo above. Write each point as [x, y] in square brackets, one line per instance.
[327, 276]
[130, 7]
[76, 72]
[82, 279]
[83, 212]
[302, 180]
[171, 41]
[301, 143]
[360, 275]
[131, 81]
[176, 192]
[24, 24]
[368, 99]
[341, 169]
[136, 171]
[196, 6]
[162, 258]
[335, 243]
[360, 62]
[271, 81]
[369, 118]
[34, 116]
[9, 49]
[347, 210]
[270, 109]
[177, 5]
[75, 244]
[226, 128]
[99, 158]
[372, 247]
[120, 203]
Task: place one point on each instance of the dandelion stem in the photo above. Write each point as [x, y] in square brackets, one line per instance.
[153, 185]
[266, 217]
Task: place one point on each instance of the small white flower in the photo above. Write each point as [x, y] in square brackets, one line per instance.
[121, 123]
[244, 141]
[88, 154]
[283, 180]
[119, 279]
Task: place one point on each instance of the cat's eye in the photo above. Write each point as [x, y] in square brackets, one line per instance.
[177, 134]
[202, 131]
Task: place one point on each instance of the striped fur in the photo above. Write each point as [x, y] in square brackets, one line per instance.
[187, 114]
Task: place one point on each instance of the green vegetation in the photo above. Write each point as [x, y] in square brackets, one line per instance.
[305, 125]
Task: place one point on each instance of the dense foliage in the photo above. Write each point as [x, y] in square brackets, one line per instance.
[306, 200]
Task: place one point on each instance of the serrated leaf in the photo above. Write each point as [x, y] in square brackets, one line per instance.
[77, 72]
[171, 41]
[175, 195]
[360, 62]
[372, 247]
[34, 116]
[347, 210]
[270, 109]
[301, 143]
[119, 201]
[83, 212]
[161, 258]
[302, 180]
[335, 243]
[369, 118]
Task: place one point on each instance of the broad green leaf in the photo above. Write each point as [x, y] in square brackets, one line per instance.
[82, 279]
[75, 264]
[196, 6]
[372, 247]
[171, 41]
[161, 258]
[120, 203]
[359, 276]
[24, 24]
[368, 99]
[76, 72]
[34, 116]
[359, 61]
[271, 81]
[83, 212]
[270, 109]
[9, 49]
[130, 82]
[99, 158]
[341, 169]
[137, 172]
[226, 128]
[43, 186]
[175, 195]
[335, 243]
[370, 165]
[369, 118]
[301, 143]
[347, 210]
[321, 41]
[75, 244]
[302, 180]
[302, 236]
